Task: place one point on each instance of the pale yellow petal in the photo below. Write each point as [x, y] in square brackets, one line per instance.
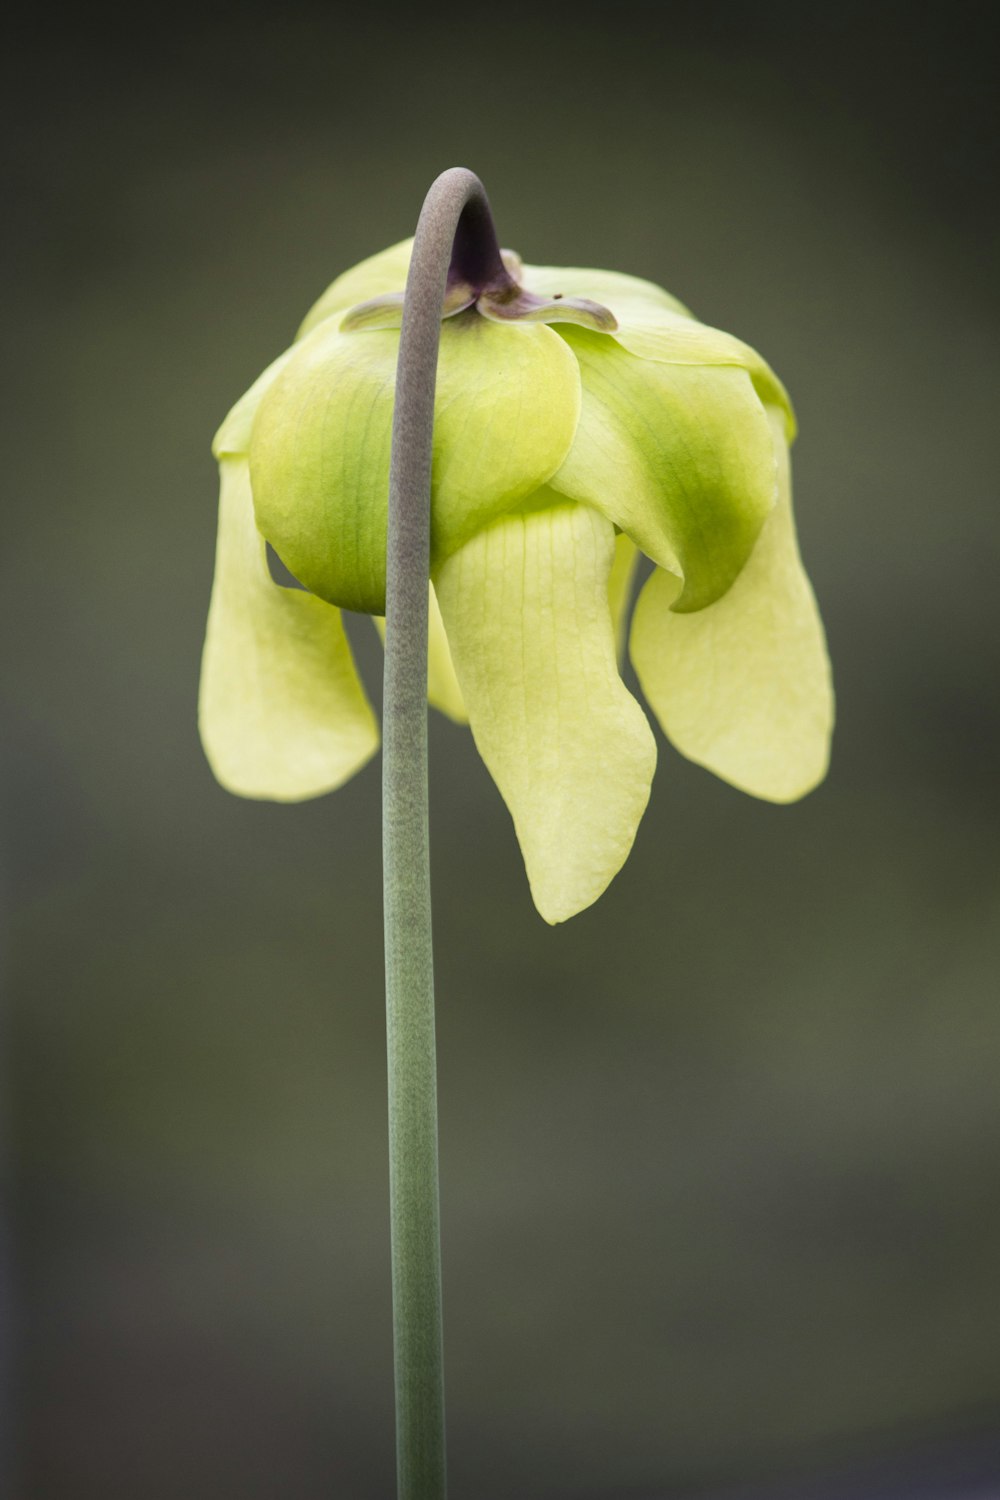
[525, 605]
[443, 691]
[281, 711]
[743, 687]
[620, 587]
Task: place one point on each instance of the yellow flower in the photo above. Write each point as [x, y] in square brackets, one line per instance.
[581, 417]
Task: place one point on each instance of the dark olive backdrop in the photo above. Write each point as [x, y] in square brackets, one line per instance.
[720, 1156]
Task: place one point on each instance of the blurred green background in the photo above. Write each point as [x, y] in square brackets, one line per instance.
[720, 1156]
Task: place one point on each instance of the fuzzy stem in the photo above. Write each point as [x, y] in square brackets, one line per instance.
[455, 199]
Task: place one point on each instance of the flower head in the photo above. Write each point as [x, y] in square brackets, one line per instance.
[581, 418]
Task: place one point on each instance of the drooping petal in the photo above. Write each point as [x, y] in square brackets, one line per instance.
[506, 408]
[679, 456]
[443, 691]
[622, 294]
[381, 273]
[744, 687]
[281, 711]
[525, 605]
[620, 584]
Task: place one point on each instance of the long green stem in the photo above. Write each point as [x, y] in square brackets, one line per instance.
[455, 214]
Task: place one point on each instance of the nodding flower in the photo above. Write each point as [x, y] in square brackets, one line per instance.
[583, 418]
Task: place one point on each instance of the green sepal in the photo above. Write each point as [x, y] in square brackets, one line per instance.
[664, 337]
[505, 414]
[506, 409]
[679, 456]
[319, 464]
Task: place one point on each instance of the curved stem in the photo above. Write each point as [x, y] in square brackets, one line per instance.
[456, 206]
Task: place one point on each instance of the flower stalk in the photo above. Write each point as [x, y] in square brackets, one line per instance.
[455, 208]
[584, 417]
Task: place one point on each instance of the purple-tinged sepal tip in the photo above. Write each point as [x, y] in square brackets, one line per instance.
[522, 306]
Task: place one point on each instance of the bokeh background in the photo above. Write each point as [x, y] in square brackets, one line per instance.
[720, 1157]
